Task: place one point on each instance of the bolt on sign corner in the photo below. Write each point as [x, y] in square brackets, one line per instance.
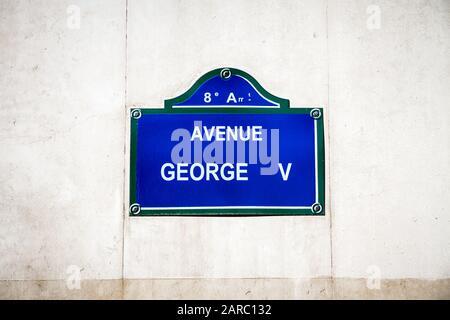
[227, 147]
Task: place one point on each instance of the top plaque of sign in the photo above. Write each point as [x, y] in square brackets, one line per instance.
[227, 88]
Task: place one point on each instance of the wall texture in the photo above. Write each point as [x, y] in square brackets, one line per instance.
[70, 70]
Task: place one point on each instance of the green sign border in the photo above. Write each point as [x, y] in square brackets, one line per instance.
[317, 209]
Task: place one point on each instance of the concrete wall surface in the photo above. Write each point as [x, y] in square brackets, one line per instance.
[70, 71]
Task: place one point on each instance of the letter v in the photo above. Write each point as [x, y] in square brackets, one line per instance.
[285, 174]
[209, 134]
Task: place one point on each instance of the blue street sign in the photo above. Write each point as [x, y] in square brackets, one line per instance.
[227, 147]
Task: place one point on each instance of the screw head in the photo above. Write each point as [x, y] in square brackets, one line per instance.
[136, 113]
[225, 74]
[315, 113]
[135, 208]
[316, 208]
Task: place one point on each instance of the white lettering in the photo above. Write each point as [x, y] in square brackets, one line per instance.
[196, 134]
[231, 97]
[181, 171]
[241, 171]
[198, 171]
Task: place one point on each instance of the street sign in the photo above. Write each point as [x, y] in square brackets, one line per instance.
[227, 147]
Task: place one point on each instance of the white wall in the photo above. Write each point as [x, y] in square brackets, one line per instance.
[62, 136]
[64, 92]
[389, 131]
